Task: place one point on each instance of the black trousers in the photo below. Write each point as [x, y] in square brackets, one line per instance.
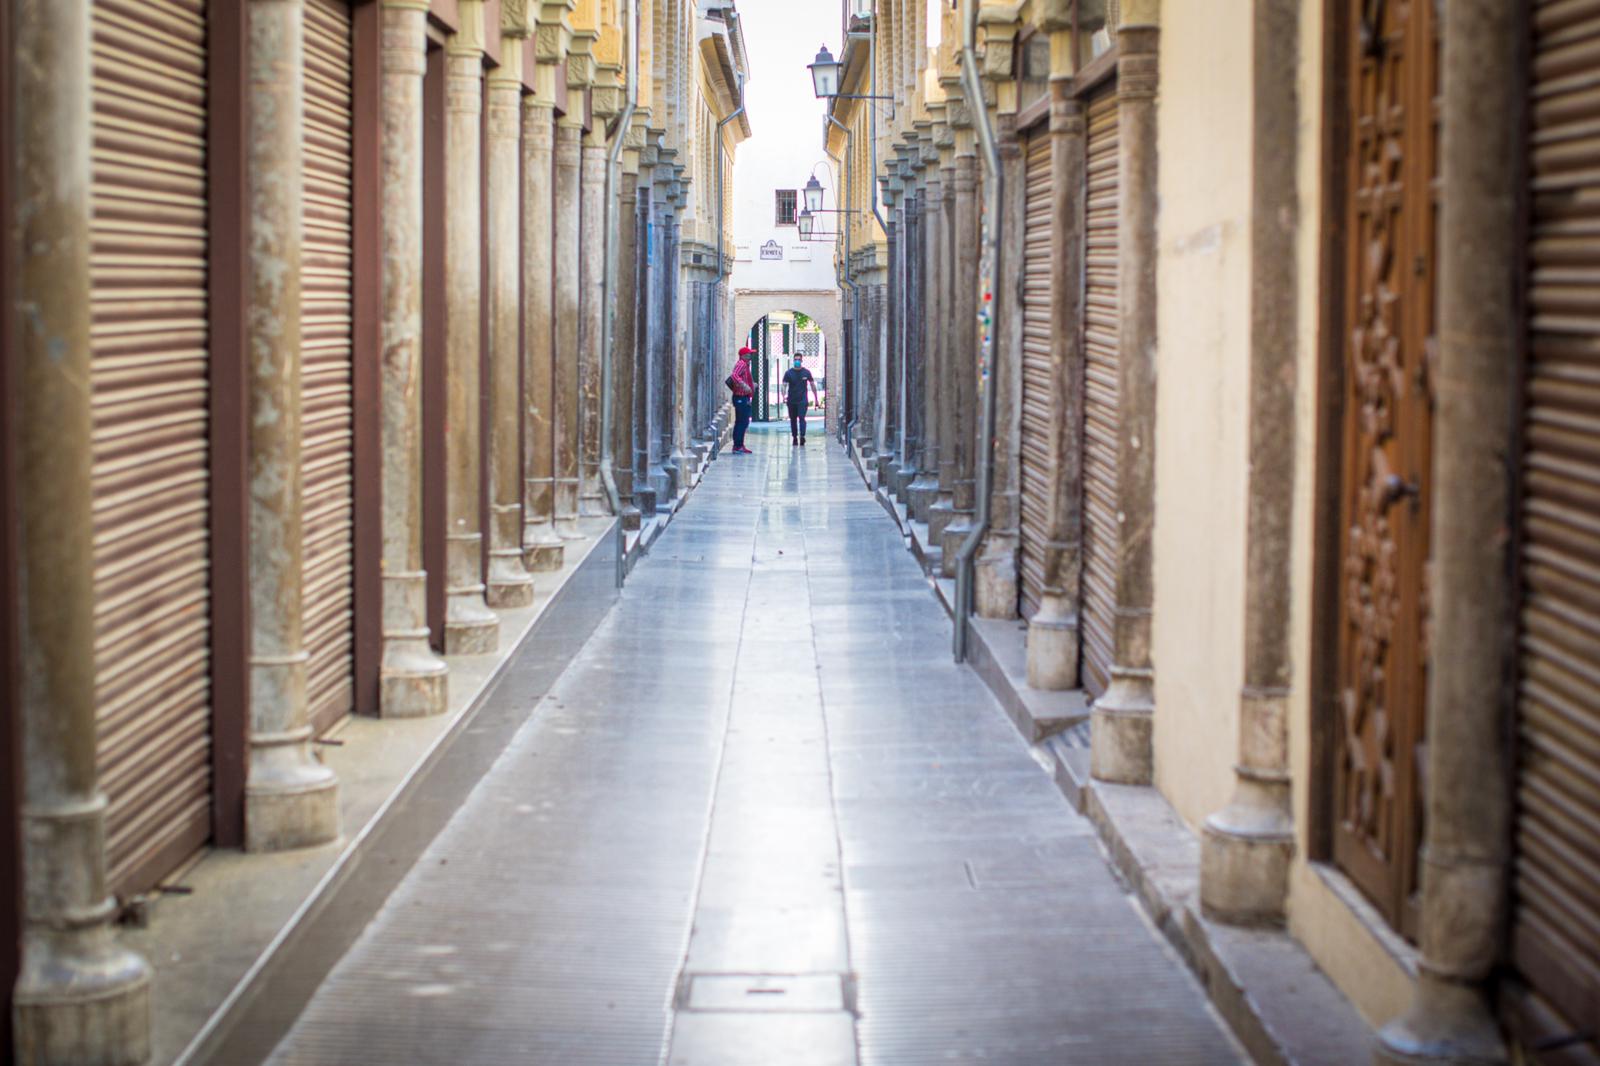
[797, 420]
[741, 419]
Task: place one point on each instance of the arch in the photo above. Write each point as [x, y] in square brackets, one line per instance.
[822, 306]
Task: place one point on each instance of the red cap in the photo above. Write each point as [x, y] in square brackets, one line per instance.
[747, 351]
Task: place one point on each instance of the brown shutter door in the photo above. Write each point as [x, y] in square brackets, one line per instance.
[1100, 393]
[326, 366]
[1040, 406]
[151, 458]
[1556, 928]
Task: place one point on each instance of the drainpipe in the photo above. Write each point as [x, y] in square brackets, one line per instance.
[630, 19]
[992, 201]
[844, 276]
[717, 311]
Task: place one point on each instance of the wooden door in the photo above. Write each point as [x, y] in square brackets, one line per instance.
[1555, 929]
[1387, 341]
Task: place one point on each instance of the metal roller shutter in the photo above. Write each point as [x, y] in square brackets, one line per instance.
[151, 475]
[1556, 924]
[1041, 408]
[1100, 327]
[326, 367]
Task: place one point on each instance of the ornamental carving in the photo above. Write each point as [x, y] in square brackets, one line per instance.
[1383, 546]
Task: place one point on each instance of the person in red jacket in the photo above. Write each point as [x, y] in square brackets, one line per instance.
[744, 388]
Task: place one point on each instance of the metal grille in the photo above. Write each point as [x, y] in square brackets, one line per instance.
[1556, 928]
[1100, 329]
[1041, 409]
[151, 475]
[326, 363]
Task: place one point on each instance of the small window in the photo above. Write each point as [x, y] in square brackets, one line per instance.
[786, 207]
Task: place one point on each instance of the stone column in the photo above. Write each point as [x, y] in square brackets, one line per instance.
[995, 591]
[963, 300]
[592, 497]
[291, 799]
[625, 343]
[470, 628]
[1245, 847]
[888, 379]
[81, 997]
[1122, 722]
[911, 351]
[646, 330]
[677, 416]
[925, 489]
[1469, 802]
[568, 309]
[412, 679]
[542, 548]
[942, 513]
[1054, 631]
[509, 583]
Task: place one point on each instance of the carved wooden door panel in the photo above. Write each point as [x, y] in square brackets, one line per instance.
[1389, 222]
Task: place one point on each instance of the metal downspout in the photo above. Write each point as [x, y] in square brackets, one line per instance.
[844, 276]
[630, 19]
[992, 294]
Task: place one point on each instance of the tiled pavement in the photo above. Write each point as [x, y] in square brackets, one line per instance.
[762, 820]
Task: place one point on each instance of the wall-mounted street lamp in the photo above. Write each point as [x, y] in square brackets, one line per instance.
[825, 79]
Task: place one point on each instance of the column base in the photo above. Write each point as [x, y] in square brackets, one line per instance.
[1447, 1022]
[1120, 724]
[1245, 850]
[510, 584]
[542, 549]
[995, 577]
[1053, 643]
[950, 542]
[593, 506]
[645, 499]
[566, 515]
[82, 998]
[632, 518]
[291, 800]
[940, 515]
[413, 682]
[470, 628]
[920, 496]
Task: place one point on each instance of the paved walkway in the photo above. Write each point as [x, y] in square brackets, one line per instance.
[763, 820]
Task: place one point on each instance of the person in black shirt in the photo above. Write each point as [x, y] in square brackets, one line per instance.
[795, 380]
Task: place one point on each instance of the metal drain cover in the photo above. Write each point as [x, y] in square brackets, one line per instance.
[766, 992]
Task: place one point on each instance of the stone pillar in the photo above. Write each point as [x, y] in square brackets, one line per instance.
[624, 348]
[412, 679]
[1465, 856]
[1123, 717]
[509, 583]
[470, 628]
[963, 300]
[1054, 631]
[542, 548]
[995, 589]
[942, 513]
[911, 340]
[81, 997]
[646, 330]
[888, 374]
[925, 489]
[291, 799]
[677, 355]
[568, 309]
[592, 497]
[1245, 847]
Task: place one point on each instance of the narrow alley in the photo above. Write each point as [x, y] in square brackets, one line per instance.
[794, 832]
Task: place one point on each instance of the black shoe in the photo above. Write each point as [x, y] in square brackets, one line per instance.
[802, 442]
[793, 441]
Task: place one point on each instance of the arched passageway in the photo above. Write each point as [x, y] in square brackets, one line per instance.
[807, 323]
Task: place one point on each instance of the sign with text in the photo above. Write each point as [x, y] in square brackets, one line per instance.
[772, 250]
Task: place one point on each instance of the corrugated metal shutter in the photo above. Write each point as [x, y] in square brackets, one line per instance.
[151, 476]
[1041, 408]
[326, 367]
[1556, 928]
[1100, 328]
